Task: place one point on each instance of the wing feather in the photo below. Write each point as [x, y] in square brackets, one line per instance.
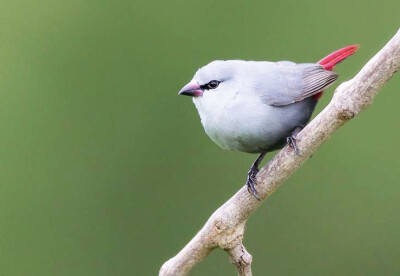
[293, 82]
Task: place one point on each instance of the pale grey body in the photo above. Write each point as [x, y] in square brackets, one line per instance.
[252, 126]
[257, 104]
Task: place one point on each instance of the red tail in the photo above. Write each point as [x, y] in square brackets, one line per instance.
[336, 57]
[331, 60]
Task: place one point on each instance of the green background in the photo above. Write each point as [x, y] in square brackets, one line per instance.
[104, 170]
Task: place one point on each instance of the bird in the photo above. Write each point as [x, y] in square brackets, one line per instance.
[260, 106]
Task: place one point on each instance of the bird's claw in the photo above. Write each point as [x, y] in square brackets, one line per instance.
[291, 141]
[251, 177]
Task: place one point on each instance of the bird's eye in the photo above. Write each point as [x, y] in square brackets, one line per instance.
[213, 84]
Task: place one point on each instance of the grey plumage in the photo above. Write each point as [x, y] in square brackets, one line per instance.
[257, 103]
[257, 106]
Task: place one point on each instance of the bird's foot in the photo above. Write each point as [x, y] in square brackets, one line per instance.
[251, 178]
[291, 140]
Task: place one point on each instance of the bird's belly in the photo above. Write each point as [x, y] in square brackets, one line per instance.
[256, 129]
[251, 136]
[238, 138]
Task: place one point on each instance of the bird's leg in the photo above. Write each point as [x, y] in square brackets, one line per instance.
[251, 176]
[291, 140]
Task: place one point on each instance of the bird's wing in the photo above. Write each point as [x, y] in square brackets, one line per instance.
[287, 82]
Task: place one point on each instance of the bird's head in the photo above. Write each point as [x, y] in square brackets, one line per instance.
[214, 81]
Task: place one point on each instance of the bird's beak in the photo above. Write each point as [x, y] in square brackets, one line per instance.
[191, 89]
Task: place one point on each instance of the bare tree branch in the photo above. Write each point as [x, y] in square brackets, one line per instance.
[225, 228]
[241, 259]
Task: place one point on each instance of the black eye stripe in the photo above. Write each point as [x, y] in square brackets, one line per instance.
[211, 85]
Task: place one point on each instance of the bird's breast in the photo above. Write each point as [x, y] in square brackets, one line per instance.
[241, 124]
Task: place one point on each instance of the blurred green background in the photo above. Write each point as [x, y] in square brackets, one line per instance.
[104, 170]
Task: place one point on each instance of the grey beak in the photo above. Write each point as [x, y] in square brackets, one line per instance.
[191, 89]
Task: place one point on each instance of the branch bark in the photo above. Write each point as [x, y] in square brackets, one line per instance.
[225, 228]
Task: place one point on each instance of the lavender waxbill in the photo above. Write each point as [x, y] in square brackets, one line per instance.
[259, 106]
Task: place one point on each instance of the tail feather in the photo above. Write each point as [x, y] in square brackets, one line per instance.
[336, 57]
